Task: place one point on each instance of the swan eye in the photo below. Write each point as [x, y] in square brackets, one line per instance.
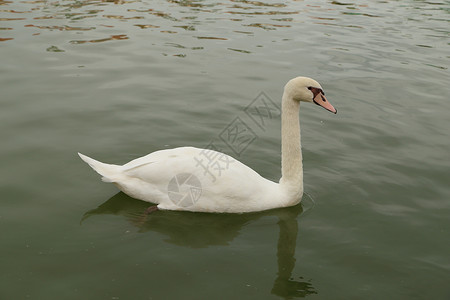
[309, 87]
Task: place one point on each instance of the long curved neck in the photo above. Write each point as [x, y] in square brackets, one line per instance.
[291, 151]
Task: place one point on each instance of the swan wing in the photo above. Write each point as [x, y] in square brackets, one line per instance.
[187, 179]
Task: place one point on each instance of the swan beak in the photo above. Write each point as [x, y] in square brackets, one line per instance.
[321, 100]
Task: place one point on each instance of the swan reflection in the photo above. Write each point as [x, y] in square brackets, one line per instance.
[201, 230]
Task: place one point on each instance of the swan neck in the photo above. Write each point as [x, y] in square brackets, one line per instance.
[291, 152]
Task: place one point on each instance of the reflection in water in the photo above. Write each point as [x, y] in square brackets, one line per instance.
[146, 26]
[239, 50]
[188, 15]
[60, 28]
[113, 37]
[203, 23]
[284, 285]
[188, 229]
[258, 3]
[267, 26]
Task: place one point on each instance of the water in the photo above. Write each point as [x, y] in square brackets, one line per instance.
[119, 79]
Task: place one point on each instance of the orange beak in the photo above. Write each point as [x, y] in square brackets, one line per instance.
[321, 100]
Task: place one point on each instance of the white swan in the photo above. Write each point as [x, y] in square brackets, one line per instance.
[202, 180]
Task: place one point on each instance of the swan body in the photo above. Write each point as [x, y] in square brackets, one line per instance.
[204, 180]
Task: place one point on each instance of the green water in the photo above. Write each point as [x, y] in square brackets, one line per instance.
[119, 79]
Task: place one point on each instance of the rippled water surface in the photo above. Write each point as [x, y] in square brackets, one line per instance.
[119, 79]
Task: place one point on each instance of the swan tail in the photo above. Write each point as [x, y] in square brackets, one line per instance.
[109, 172]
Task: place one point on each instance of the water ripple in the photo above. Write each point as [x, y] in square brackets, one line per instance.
[91, 18]
[111, 38]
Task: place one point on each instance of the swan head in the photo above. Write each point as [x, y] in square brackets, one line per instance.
[308, 90]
